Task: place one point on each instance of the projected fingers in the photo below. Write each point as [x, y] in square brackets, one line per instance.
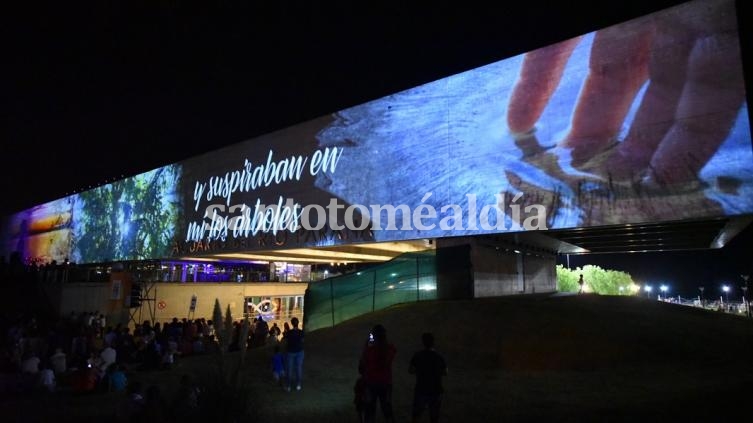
[618, 67]
[592, 200]
[540, 75]
[656, 113]
[694, 92]
[700, 125]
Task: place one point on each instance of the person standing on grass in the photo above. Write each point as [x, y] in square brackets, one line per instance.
[294, 349]
[278, 366]
[274, 332]
[376, 367]
[359, 398]
[581, 282]
[429, 368]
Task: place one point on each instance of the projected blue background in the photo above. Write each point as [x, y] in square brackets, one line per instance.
[581, 145]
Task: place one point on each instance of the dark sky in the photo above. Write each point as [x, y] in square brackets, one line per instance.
[95, 90]
[683, 271]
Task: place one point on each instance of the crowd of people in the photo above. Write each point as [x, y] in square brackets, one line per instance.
[81, 354]
[45, 271]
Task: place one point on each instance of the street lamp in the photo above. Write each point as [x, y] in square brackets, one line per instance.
[664, 289]
[745, 294]
[725, 288]
[647, 288]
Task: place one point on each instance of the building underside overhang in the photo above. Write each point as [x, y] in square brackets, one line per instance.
[650, 237]
[354, 253]
[626, 238]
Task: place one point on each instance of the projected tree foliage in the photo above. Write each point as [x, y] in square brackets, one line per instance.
[130, 219]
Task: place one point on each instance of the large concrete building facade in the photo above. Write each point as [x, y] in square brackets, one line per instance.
[615, 140]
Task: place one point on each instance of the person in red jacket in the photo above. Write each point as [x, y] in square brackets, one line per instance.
[376, 367]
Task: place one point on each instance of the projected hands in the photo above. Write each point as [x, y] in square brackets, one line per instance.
[694, 94]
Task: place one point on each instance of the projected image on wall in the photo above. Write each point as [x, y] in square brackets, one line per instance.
[640, 122]
[131, 219]
[42, 234]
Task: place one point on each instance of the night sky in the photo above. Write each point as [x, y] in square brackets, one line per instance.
[682, 271]
[99, 90]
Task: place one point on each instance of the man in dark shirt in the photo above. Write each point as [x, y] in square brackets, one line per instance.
[294, 349]
[429, 368]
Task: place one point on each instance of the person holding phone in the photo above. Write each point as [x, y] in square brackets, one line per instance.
[375, 366]
[294, 350]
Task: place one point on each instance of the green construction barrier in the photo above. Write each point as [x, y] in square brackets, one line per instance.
[407, 278]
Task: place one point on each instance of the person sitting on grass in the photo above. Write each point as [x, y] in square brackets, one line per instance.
[133, 404]
[84, 378]
[47, 378]
[185, 404]
[168, 359]
[116, 379]
[58, 362]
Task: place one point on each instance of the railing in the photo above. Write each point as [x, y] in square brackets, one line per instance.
[741, 308]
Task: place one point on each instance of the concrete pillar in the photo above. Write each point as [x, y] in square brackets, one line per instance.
[474, 267]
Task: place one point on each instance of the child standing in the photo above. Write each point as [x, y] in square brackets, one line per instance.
[359, 398]
[278, 366]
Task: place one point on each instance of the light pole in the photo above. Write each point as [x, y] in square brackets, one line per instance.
[745, 299]
[647, 288]
[725, 288]
[663, 289]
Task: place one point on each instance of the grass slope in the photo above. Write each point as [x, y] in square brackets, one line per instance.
[528, 358]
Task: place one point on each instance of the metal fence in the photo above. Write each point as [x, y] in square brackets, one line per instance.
[741, 308]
